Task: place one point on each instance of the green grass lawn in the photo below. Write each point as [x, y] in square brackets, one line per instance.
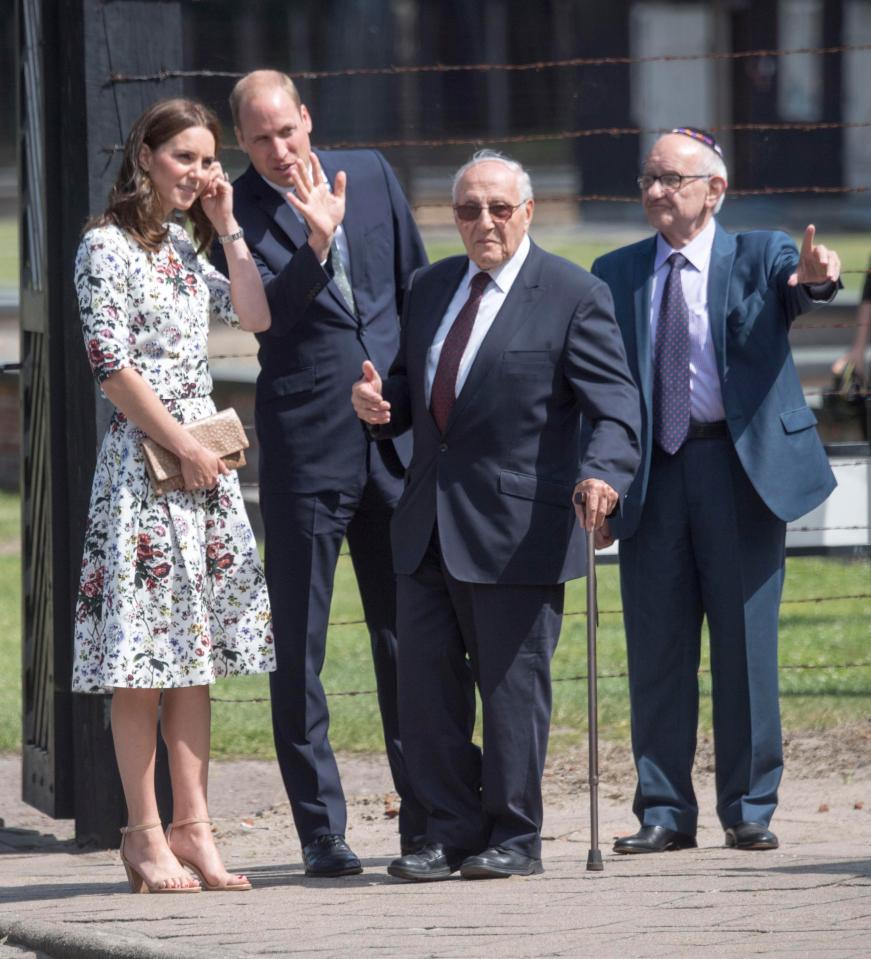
[819, 634]
[823, 635]
[8, 252]
[853, 248]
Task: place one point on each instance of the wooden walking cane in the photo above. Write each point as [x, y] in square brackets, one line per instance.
[594, 856]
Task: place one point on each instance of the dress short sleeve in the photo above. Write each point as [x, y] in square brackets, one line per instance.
[101, 279]
[220, 305]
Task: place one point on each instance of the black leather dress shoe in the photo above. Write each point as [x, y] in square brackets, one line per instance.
[497, 862]
[750, 835]
[654, 839]
[328, 857]
[430, 862]
[410, 844]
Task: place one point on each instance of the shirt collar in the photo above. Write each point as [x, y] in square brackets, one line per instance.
[505, 274]
[697, 251]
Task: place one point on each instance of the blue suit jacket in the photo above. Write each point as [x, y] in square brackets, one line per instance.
[751, 309]
[499, 481]
[310, 439]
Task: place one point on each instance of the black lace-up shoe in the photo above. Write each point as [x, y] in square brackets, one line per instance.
[431, 862]
[654, 839]
[328, 857]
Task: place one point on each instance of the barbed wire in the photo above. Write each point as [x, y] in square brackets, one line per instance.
[536, 65]
[613, 132]
[579, 677]
[619, 612]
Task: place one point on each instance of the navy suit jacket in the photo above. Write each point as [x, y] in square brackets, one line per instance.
[499, 482]
[751, 309]
[310, 439]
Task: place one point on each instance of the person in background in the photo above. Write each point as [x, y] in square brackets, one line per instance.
[172, 593]
[854, 358]
[730, 454]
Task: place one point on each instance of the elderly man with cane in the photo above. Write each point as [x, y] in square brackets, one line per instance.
[501, 353]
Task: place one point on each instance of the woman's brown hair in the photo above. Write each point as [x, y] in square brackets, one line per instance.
[133, 203]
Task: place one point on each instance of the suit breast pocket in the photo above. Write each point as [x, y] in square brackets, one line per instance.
[533, 364]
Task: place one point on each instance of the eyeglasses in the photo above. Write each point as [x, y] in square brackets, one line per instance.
[669, 181]
[500, 212]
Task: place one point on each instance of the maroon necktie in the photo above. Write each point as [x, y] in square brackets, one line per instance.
[444, 384]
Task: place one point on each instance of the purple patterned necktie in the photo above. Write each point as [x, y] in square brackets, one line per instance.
[671, 363]
[444, 383]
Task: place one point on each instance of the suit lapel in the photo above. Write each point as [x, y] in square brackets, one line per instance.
[510, 317]
[719, 274]
[642, 281]
[277, 209]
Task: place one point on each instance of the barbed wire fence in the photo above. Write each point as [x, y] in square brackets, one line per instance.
[577, 198]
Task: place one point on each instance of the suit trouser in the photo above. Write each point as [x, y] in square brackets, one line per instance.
[304, 535]
[706, 546]
[454, 636]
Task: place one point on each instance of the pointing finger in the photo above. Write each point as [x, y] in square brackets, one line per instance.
[807, 243]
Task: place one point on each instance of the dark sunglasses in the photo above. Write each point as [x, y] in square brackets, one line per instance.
[500, 212]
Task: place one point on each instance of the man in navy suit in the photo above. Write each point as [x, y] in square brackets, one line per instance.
[502, 351]
[335, 243]
[730, 454]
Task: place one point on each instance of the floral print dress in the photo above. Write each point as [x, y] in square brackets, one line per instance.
[172, 591]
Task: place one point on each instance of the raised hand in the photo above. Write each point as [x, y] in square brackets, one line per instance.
[816, 263]
[217, 200]
[321, 208]
[593, 499]
[369, 405]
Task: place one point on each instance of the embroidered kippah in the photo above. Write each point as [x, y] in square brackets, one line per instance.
[702, 136]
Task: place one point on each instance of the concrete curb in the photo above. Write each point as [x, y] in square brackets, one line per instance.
[91, 943]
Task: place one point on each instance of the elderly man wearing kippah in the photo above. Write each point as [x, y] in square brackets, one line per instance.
[730, 454]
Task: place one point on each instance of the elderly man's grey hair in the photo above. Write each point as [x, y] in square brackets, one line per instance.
[715, 165]
[492, 156]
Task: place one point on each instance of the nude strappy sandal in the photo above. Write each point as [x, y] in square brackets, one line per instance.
[137, 881]
[240, 885]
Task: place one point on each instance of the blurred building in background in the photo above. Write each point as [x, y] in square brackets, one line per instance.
[551, 107]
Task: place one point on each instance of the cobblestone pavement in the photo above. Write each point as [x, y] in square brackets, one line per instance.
[812, 897]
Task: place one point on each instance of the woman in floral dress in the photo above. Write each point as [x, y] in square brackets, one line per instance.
[172, 591]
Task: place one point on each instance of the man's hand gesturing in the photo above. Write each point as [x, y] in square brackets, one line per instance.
[816, 263]
[369, 405]
[321, 208]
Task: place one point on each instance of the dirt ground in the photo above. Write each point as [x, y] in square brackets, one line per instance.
[821, 767]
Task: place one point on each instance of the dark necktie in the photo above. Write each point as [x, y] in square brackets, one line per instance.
[444, 383]
[671, 363]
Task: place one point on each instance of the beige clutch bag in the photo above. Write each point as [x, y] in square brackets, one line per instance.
[222, 433]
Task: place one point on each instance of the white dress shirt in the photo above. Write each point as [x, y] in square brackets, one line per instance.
[339, 239]
[502, 279]
[706, 398]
